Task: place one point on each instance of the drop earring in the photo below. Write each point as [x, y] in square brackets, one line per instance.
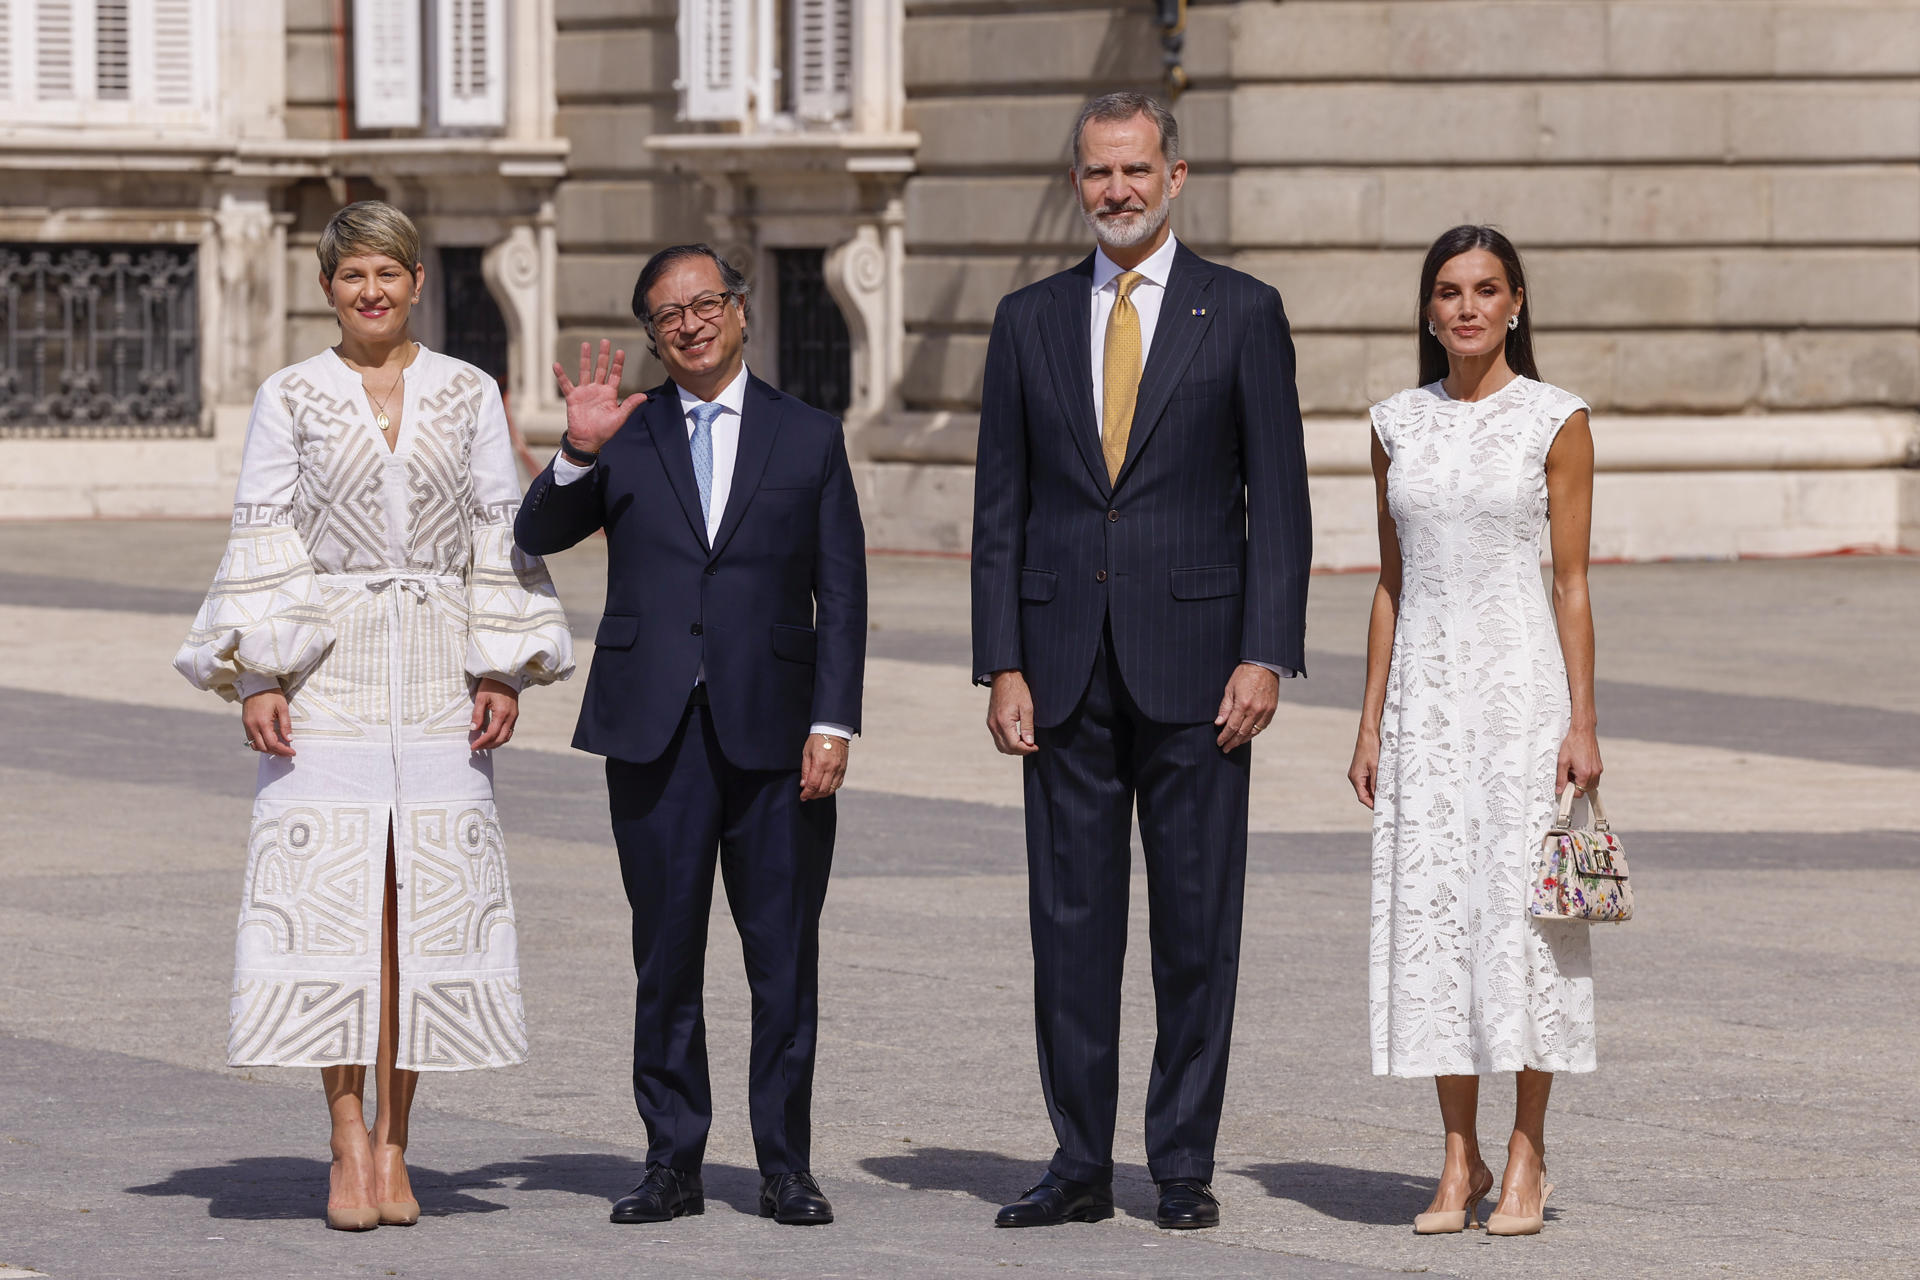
[1513, 321]
[1431, 330]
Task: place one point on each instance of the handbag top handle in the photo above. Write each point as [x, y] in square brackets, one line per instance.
[1571, 792]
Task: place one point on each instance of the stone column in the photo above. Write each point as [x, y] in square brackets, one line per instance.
[247, 319]
[519, 271]
[866, 276]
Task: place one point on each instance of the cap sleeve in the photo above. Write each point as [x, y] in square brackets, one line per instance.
[1381, 416]
[1557, 405]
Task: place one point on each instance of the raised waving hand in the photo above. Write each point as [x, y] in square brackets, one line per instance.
[595, 411]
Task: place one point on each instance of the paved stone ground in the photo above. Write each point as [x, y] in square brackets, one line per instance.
[1754, 1113]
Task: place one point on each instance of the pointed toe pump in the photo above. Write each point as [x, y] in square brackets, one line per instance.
[365, 1218]
[1517, 1224]
[1445, 1222]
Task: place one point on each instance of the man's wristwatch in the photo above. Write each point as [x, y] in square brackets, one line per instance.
[578, 457]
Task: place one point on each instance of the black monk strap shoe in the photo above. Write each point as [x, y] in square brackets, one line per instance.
[1056, 1200]
[795, 1200]
[1187, 1203]
[664, 1194]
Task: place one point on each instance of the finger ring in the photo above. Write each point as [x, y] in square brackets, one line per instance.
[250, 745]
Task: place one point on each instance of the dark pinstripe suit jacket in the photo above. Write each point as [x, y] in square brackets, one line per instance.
[1198, 554]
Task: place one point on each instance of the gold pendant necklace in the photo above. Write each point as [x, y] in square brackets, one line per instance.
[380, 418]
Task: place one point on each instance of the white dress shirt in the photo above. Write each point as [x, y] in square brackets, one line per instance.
[726, 451]
[1146, 297]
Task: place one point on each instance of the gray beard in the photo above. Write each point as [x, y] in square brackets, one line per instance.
[1146, 226]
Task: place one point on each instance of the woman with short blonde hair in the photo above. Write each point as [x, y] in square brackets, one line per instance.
[377, 624]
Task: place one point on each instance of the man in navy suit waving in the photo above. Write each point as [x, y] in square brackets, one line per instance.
[1141, 539]
[724, 694]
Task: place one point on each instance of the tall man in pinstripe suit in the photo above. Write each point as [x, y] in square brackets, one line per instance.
[1140, 546]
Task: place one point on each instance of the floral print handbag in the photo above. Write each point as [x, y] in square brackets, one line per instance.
[1582, 871]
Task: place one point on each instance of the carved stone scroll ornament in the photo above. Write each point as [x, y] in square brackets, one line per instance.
[856, 276]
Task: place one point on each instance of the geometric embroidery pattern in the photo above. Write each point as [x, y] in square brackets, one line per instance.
[377, 587]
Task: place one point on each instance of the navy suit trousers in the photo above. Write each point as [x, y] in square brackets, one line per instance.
[671, 817]
[1081, 788]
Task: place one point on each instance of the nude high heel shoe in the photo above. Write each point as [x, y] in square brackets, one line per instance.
[351, 1217]
[1515, 1224]
[398, 1213]
[1445, 1222]
[363, 1219]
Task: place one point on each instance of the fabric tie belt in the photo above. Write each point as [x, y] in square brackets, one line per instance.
[395, 586]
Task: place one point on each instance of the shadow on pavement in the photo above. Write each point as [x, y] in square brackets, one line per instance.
[1373, 1196]
[997, 1179]
[265, 1188]
[608, 1177]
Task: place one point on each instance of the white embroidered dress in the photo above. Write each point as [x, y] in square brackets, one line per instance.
[1463, 980]
[376, 586]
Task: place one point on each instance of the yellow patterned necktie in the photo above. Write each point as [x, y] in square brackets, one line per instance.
[1120, 375]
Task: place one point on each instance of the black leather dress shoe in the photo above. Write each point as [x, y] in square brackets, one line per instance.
[794, 1199]
[662, 1195]
[1056, 1200]
[1187, 1203]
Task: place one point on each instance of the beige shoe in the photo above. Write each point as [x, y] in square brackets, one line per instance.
[1514, 1224]
[396, 1213]
[361, 1219]
[1445, 1222]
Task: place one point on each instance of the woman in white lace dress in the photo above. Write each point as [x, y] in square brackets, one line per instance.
[1479, 702]
[376, 622]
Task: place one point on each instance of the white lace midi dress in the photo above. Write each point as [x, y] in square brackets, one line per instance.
[1463, 980]
[376, 587]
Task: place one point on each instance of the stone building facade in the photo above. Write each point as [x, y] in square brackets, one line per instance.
[1719, 200]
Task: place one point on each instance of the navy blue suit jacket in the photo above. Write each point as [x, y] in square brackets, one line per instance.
[1198, 555]
[775, 608]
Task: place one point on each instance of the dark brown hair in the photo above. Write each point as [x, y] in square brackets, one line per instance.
[1465, 239]
[730, 279]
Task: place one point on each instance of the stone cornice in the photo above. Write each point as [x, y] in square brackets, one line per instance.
[275, 160]
[1839, 440]
[836, 152]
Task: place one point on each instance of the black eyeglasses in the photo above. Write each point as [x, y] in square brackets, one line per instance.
[707, 306]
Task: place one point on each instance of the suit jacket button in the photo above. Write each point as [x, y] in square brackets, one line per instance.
[713, 571]
[1113, 517]
[694, 629]
[1099, 575]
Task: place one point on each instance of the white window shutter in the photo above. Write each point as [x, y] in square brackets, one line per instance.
[386, 64]
[175, 77]
[822, 54]
[6, 51]
[714, 37]
[112, 65]
[471, 62]
[55, 35]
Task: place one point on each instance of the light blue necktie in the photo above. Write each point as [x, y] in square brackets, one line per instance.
[703, 416]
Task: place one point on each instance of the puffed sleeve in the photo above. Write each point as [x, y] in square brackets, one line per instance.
[516, 630]
[264, 622]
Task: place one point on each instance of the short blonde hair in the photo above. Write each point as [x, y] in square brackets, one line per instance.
[368, 226]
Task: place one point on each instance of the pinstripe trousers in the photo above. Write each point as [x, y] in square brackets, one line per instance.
[1081, 789]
